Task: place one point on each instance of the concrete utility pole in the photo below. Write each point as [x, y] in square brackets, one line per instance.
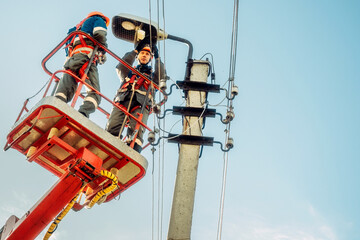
[185, 185]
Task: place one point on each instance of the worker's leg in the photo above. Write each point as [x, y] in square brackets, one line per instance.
[139, 138]
[66, 88]
[68, 84]
[115, 121]
[91, 100]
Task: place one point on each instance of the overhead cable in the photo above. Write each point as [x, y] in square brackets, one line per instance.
[228, 126]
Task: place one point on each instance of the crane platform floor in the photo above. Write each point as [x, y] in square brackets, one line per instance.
[74, 131]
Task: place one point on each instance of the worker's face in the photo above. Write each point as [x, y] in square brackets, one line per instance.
[144, 57]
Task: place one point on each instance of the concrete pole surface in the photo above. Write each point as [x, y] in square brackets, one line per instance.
[185, 184]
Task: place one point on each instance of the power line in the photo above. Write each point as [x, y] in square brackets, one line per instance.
[230, 106]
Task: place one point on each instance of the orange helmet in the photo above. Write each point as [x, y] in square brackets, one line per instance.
[147, 48]
[107, 20]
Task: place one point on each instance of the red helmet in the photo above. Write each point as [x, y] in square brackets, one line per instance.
[107, 20]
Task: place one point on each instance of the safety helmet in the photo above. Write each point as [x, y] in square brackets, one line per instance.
[107, 20]
[147, 48]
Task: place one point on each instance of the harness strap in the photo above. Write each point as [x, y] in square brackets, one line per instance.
[131, 110]
[83, 43]
[82, 70]
[140, 82]
[81, 49]
[136, 90]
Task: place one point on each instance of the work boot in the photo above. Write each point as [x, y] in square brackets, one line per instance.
[86, 115]
[87, 108]
[61, 98]
[137, 148]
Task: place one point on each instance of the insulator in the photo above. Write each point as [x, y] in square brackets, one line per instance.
[151, 137]
[162, 84]
[234, 90]
[230, 143]
[230, 115]
[156, 109]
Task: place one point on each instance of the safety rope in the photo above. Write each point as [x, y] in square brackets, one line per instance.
[128, 108]
[230, 106]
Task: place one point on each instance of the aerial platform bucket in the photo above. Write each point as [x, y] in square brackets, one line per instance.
[56, 131]
[75, 149]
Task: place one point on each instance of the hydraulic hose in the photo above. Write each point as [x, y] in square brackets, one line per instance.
[57, 220]
[101, 193]
[107, 190]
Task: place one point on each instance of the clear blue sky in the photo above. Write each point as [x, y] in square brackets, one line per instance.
[294, 171]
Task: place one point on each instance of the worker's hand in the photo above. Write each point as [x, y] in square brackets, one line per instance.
[142, 44]
[101, 57]
[155, 51]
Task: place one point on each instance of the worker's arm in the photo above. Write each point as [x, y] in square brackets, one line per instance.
[123, 71]
[100, 30]
[159, 71]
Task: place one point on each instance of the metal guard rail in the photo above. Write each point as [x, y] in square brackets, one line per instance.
[82, 82]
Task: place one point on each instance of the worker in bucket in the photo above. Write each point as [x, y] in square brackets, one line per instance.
[135, 94]
[79, 50]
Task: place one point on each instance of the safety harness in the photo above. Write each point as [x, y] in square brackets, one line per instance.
[80, 48]
[133, 83]
[137, 81]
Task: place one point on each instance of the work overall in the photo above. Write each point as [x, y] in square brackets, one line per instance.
[81, 51]
[132, 95]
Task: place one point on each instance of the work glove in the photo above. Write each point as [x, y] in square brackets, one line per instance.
[155, 51]
[142, 44]
[101, 57]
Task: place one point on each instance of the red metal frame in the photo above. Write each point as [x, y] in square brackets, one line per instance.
[45, 210]
[82, 80]
[43, 144]
[78, 168]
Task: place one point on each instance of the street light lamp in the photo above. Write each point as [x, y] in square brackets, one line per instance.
[134, 29]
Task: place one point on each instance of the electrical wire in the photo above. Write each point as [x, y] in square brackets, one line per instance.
[230, 106]
[197, 122]
[219, 104]
[160, 173]
[193, 124]
[222, 198]
[212, 62]
[39, 90]
[179, 90]
[159, 158]
[153, 157]
[162, 180]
